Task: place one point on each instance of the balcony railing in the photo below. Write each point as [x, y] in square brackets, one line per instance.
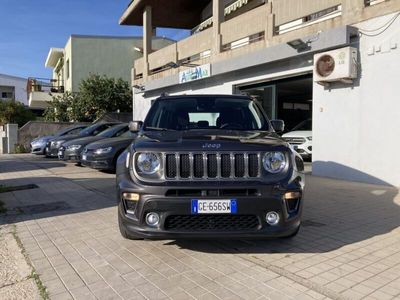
[45, 85]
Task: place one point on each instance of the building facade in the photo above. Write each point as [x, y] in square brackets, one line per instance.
[333, 61]
[13, 88]
[84, 55]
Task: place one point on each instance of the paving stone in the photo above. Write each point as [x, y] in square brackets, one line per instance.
[349, 246]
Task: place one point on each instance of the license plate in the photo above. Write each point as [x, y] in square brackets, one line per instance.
[214, 206]
[84, 157]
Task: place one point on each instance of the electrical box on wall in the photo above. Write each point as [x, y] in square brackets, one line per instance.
[336, 65]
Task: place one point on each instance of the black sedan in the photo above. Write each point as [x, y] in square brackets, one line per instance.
[103, 155]
[54, 145]
[71, 151]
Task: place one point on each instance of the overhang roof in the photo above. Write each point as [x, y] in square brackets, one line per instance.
[185, 14]
[53, 57]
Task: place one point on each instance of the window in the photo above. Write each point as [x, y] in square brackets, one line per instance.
[205, 113]
[67, 67]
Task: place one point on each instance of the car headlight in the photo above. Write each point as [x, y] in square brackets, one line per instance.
[103, 151]
[309, 138]
[74, 147]
[274, 162]
[148, 163]
[58, 143]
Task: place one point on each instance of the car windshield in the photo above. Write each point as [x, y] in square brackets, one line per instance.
[206, 113]
[305, 125]
[70, 130]
[114, 131]
[89, 130]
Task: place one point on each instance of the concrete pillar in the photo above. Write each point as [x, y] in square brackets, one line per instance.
[3, 140]
[270, 24]
[218, 18]
[147, 39]
[12, 137]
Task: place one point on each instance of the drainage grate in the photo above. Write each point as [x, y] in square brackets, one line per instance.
[7, 189]
[44, 207]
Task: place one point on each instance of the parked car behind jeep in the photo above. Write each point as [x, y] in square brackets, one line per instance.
[38, 145]
[103, 154]
[53, 145]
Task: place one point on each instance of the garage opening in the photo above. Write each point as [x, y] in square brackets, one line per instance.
[289, 99]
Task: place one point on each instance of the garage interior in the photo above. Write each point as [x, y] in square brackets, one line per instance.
[289, 99]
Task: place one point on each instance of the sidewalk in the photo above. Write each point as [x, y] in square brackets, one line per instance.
[348, 247]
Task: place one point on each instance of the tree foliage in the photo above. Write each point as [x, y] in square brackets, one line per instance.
[63, 108]
[97, 95]
[14, 112]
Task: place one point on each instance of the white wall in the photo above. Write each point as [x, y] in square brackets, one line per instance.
[356, 128]
[19, 85]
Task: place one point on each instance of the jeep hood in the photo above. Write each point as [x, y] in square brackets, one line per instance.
[207, 140]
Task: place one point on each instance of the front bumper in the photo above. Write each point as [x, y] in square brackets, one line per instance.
[38, 148]
[98, 163]
[68, 155]
[305, 150]
[248, 222]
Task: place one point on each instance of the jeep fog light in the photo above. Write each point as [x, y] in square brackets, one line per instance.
[272, 218]
[131, 196]
[292, 195]
[152, 219]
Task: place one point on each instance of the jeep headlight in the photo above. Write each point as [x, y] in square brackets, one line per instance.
[274, 162]
[148, 163]
[103, 150]
[74, 147]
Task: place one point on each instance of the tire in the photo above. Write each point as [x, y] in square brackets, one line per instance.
[123, 232]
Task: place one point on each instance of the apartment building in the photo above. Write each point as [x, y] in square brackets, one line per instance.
[336, 62]
[84, 55]
[13, 88]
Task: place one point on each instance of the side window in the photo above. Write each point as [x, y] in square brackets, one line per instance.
[121, 132]
[100, 129]
[74, 131]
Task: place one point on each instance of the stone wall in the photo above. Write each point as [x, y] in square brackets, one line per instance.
[34, 129]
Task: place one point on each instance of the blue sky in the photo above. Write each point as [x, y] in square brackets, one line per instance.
[29, 28]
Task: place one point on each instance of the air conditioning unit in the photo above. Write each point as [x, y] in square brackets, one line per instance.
[336, 65]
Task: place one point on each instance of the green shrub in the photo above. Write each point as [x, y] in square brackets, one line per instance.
[13, 112]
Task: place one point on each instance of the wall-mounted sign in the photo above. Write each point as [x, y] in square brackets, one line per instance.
[196, 73]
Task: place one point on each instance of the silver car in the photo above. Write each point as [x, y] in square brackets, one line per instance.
[38, 145]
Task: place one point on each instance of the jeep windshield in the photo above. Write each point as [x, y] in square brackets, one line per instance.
[205, 113]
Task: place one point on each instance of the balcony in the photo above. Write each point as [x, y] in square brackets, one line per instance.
[255, 25]
[41, 91]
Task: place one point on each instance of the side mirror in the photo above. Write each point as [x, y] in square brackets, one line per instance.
[135, 126]
[278, 125]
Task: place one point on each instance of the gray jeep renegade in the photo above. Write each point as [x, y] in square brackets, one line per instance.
[208, 166]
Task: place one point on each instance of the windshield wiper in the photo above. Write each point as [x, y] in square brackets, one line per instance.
[159, 129]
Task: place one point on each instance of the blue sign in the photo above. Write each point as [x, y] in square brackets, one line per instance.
[196, 73]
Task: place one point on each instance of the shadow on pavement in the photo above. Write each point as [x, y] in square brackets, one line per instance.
[336, 213]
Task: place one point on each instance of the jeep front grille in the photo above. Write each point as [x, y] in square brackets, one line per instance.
[227, 165]
[210, 223]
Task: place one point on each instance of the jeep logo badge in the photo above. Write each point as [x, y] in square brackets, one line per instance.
[211, 146]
